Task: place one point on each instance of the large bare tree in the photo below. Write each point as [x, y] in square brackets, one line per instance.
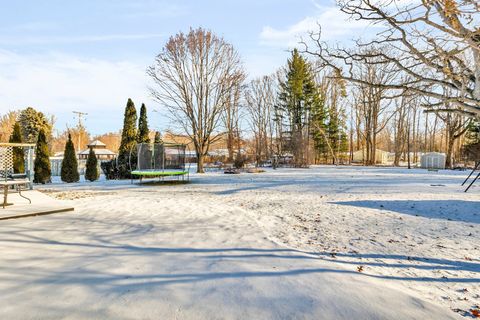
[436, 44]
[194, 77]
[372, 102]
[260, 100]
[231, 120]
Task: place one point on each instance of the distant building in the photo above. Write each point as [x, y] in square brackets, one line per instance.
[101, 152]
[381, 157]
[100, 149]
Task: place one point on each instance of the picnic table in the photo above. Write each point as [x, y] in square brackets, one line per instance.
[17, 184]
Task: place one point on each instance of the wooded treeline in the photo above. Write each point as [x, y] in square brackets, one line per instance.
[412, 87]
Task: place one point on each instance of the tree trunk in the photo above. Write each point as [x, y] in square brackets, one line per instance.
[200, 159]
[448, 158]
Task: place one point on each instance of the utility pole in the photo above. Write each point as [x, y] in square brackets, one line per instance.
[79, 115]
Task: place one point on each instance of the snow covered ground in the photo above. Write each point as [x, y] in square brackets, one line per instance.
[320, 243]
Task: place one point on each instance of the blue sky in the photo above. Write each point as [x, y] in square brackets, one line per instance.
[61, 56]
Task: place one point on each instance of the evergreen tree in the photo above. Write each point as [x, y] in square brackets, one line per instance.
[128, 142]
[18, 153]
[143, 126]
[318, 127]
[31, 122]
[297, 95]
[91, 172]
[472, 136]
[69, 172]
[42, 172]
[158, 137]
[337, 135]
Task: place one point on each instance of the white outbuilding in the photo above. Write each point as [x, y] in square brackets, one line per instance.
[433, 160]
[381, 157]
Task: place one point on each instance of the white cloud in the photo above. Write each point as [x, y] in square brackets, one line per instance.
[16, 40]
[334, 23]
[58, 84]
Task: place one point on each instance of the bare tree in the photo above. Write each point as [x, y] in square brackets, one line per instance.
[455, 127]
[6, 124]
[400, 129]
[260, 99]
[195, 75]
[436, 43]
[231, 119]
[373, 102]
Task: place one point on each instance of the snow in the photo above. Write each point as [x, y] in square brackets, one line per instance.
[282, 244]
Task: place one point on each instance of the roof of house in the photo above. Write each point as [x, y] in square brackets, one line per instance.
[101, 152]
[96, 143]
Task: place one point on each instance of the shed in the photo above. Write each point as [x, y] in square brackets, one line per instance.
[433, 160]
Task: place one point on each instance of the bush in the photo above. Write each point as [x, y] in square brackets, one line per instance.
[109, 169]
[91, 172]
[239, 161]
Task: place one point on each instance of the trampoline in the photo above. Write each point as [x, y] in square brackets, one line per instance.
[159, 160]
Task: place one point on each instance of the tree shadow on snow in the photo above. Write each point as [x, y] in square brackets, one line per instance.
[300, 263]
[452, 210]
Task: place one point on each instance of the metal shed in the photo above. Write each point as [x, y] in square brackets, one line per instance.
[433, 160]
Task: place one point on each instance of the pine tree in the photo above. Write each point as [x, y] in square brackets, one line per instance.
[297, 95]
[318, 127]
[472, 136]
[158, 137]
[18, 153]
[143, 126]
[31, 122]
[69, 172]
[128, 142]
[42, 162]
[91, 172]
[337, 135]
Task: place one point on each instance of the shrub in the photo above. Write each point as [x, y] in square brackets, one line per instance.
[239, 161]
[91, 172]
[109, 169]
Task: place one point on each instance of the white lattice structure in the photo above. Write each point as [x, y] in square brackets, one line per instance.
[6, 162]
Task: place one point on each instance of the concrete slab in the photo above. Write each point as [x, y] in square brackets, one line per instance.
[41, 205]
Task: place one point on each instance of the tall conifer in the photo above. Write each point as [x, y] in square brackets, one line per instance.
[143, 130]
[69, 172]
[129, 140]
[18, 153]
[158, 137]
[42, 162]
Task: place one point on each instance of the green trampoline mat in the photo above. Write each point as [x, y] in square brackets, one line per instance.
[158, 173]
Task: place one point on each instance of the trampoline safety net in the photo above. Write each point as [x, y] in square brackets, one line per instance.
[160, 157]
